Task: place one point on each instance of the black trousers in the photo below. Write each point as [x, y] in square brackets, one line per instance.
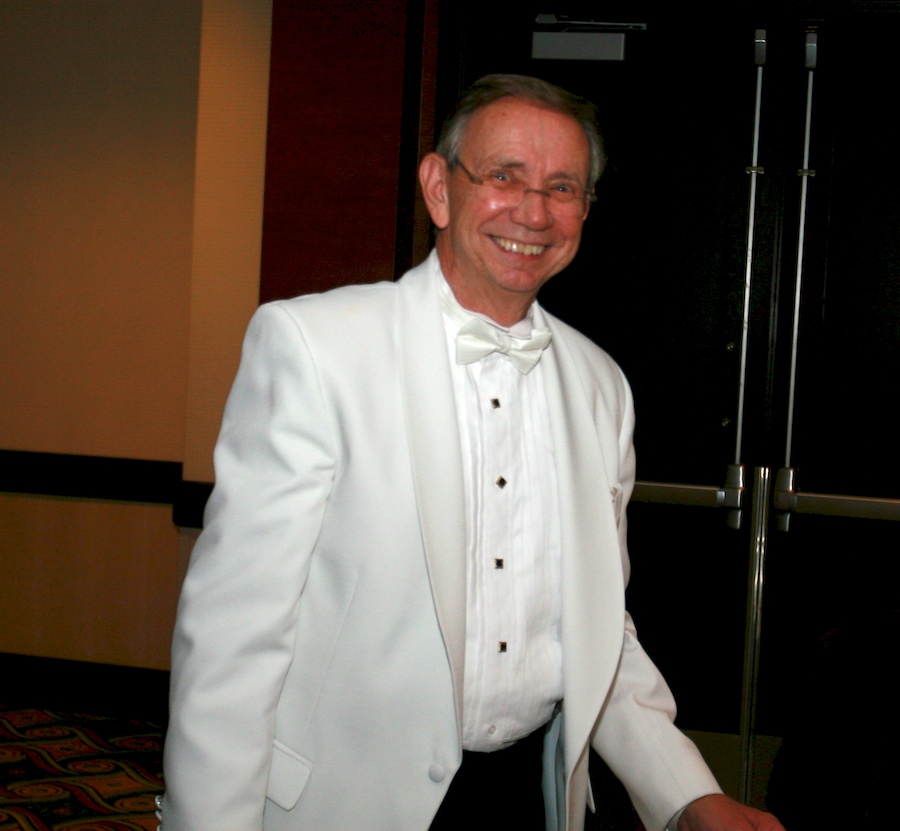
[496, 791]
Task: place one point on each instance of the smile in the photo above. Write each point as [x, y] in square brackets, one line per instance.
[514, 247]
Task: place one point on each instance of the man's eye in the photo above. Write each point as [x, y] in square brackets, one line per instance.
[562, 187]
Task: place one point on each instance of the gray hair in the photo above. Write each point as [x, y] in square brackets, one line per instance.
[492, 88]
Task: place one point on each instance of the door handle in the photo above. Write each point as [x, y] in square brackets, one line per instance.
[788, 500]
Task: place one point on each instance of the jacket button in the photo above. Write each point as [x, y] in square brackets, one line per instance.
[436, 773]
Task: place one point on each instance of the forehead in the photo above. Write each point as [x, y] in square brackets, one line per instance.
[514, 131]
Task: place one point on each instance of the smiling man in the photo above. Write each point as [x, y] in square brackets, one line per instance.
[510, 216]
[406, 610]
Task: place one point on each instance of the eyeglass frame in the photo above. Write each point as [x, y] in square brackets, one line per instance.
[588, 197]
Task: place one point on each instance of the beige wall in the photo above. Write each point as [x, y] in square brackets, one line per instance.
[228, 211]
[131, 161]
[97, 151]
[97, 583]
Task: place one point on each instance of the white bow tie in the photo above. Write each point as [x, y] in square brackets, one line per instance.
[478, 338]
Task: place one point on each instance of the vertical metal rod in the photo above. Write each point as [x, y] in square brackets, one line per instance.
[762, 488]
[804, 188]
[754, 171]
[748, 269]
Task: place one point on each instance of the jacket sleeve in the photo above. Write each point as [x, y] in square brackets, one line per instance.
[233, 641]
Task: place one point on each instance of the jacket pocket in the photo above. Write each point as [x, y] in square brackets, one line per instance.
[288, 775]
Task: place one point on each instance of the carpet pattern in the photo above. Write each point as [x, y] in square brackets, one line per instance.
[61, 772]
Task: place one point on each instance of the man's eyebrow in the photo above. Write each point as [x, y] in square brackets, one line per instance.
[565, 174]
[505, 164]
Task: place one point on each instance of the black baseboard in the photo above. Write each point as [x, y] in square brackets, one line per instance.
[81, 687]
[89, 477]
[190, 502]
[98, 477]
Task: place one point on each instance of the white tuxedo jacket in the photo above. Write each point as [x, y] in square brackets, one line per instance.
[318, 656]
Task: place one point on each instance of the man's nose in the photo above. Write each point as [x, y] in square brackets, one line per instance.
[534, 209]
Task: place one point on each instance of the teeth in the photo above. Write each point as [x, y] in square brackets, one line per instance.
[519, 247]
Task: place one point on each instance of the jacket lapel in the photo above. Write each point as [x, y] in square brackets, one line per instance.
[593, 610]
[430, 412]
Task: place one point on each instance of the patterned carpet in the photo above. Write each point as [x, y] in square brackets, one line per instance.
[61, 772]
[77, 772]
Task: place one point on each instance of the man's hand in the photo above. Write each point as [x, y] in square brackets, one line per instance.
[718, 812]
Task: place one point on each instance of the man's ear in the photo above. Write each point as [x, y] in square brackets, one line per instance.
[433, 175]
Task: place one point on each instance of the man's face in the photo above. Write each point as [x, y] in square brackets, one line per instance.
[497, 252]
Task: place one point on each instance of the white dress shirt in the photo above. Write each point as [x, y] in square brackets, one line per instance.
[513, 668]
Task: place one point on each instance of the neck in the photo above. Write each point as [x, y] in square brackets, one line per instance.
[504, 307]
[503, 314]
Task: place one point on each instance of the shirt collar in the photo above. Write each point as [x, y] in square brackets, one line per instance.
[462, 316]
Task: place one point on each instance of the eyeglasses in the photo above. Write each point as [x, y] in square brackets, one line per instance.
[563, 195]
